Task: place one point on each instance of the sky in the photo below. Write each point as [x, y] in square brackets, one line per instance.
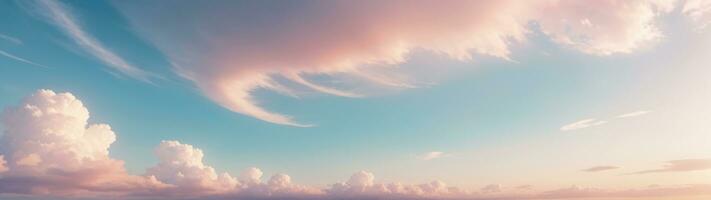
[346, 99]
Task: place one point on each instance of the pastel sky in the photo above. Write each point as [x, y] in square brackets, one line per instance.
[395, 99]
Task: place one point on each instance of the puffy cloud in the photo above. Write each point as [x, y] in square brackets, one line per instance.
[278, 186]
[699, 11]
[681, 166]
[48, 147]
[181, 165]
[586, 123]
[3, 164]
[361, 179]
[280, 181]
[603, 27]
[362, 185]
[251, 175]
[30, 160]
[600, 168]
[280, 47]
[492, 188]
[524, 187]
[575, 191]
[51, 129]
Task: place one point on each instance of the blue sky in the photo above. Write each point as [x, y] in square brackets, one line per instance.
[496, 121]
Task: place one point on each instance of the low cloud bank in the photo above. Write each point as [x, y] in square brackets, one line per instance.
[48, 149]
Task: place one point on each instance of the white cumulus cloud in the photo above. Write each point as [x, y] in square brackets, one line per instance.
[49, 150]
[48, 147]
[181, 165]
[362, 184]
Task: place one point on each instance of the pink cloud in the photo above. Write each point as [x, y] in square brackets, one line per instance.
[577, 192]
[699, 11]
[362, 185]
[432, 155]
[3, 164]
[681, 166]
[492, 188]
[49, 148]
[277, 47]
[603, 27]
[181, 165]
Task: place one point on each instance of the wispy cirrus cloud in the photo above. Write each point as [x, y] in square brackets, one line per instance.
[592, 122]
[686, 165]
[11, 39]
[601, 168]
[586, 123]
[61, 16]
[16, 41]
[16, 58]
[228, 60]
[634, 114]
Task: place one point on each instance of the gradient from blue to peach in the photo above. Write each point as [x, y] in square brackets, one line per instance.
[495, 118]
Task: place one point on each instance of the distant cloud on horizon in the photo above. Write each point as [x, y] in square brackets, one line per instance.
[686, 165]
[592, 122]
[79, 165]
[600, 168]
[525, 100]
